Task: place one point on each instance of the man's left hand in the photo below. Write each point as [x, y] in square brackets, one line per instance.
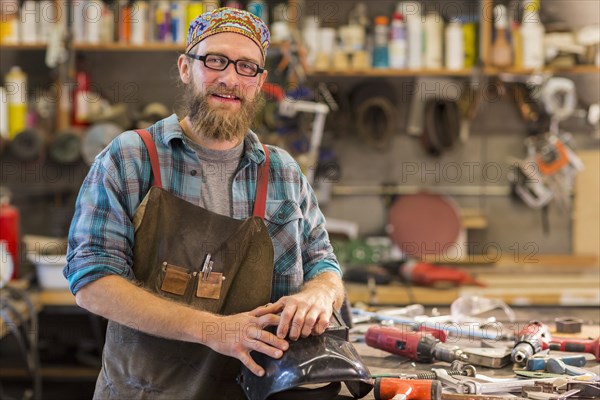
[308, 311]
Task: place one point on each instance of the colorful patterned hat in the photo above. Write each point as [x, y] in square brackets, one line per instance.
[229, 20]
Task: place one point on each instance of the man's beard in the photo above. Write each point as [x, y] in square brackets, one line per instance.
[219, 123]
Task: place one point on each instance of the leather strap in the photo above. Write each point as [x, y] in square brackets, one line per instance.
[153, 154]
[262, 184]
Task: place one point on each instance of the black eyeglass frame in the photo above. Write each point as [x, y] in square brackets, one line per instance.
[259, 70]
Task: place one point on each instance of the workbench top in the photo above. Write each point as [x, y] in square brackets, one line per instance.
[382, 362]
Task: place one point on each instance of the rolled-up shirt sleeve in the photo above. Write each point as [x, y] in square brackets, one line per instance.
[317, 251]
[101, 235]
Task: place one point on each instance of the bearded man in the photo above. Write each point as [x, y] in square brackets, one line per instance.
[192, 238]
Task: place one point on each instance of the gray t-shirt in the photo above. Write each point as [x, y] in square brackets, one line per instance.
[217, 170]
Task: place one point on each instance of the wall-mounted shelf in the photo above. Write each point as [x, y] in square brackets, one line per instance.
[390, 73]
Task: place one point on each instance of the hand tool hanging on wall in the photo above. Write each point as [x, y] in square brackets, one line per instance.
[418, 346]
[441, 126]
[28, 145]
[65, 148]
[374, 109]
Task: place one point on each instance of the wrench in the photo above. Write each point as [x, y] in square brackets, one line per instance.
[466, 385]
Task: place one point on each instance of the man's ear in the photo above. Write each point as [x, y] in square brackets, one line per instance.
[185, 69]
[263, 78]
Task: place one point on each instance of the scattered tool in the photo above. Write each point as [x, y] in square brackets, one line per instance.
[558, 366]
[491, 357]
[426, 274]
[568, 325]
[407, 389]
[418, 346]
[530, 340]
[575, 345]
[540, 362]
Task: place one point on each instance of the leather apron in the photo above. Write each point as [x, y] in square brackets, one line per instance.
[172, 240]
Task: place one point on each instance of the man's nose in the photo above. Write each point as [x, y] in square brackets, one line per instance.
[229, 76]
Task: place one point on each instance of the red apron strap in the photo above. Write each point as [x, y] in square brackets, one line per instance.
[153, 154]
[262, 184]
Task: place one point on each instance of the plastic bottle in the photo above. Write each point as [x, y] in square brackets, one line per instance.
[397, 46]
[532, 34]
[412, 15]
[455, 52]
[517, 42]
[81, 94]
[3, 115]
[501, 51]
[380, 42]
[470, 43]
[16, 93]
[434, 39]
[139, 23]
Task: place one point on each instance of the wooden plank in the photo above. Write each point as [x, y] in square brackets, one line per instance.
[586, 208]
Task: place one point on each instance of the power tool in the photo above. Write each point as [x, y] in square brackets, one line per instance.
[533, 338]
[417, 346]
[407, 389]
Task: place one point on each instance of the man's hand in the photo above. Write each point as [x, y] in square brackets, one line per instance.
[237, 335]
[308, 311]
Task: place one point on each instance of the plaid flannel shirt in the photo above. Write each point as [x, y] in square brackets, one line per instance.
[101, 236]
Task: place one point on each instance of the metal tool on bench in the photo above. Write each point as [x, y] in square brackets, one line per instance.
[539, 362]
[491, 357]
[418, 346]
[530, 340]
[468, 385]
[576, 345]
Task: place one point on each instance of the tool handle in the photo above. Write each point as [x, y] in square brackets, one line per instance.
[416, 346]
[576, 345]
[409, 389]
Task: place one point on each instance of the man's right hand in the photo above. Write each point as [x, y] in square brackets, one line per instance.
[237, 335]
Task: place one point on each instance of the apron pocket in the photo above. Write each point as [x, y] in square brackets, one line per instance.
[175, 280]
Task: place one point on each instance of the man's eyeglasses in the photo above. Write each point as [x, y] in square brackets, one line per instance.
[220, 63]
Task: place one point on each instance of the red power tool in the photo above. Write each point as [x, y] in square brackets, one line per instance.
[533, 338]
[575, 345]
[418, 346]
[407, 389]
[426, 274]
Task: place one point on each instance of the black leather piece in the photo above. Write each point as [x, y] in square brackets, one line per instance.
[441, 126]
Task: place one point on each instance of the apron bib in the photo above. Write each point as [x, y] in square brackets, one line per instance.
[174, 240]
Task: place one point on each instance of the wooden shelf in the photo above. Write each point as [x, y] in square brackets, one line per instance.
[130, 47]
[382, 73]
[32, 46]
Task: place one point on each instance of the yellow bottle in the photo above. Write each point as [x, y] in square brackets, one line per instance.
[16, 93]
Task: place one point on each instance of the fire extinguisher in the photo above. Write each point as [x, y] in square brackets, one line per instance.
[9, 231]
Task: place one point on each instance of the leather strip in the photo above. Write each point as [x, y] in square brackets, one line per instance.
[153, 154]
[262, 184]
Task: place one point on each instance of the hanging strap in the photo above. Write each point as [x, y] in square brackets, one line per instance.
[153, 154]
[262, 184]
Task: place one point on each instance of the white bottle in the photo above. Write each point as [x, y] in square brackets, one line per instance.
[29, 25]
[397, 46]
[532, 32]
[455, 51]
[434, 38]
[412, 14]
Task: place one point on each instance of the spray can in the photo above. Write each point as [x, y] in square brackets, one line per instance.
[16, 91]
[455, 52]
[434, 39]
[178, 16]
[470, 43]
[3, 115]
[397, 46]
[9, 231]
[412, 14]
[380, 48]
[28, 24]
[139, 23]
[532, 36]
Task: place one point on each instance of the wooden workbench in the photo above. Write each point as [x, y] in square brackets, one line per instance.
[381, 362]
